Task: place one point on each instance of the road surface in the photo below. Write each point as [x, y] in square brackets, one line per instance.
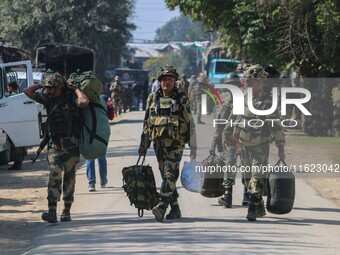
[103, 222]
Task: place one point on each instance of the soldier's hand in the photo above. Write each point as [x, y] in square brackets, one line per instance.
[72, 84]
[193, 153]
[142, 151]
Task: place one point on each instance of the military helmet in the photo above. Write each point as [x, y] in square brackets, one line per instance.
[167, 70]
[255, 71]
[193, 76]
[116, 78]
[53, 80]
[183, 76]
[233, 78]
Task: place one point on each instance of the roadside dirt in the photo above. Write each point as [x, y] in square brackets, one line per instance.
[23, 195]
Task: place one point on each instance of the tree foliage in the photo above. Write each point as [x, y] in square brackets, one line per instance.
[303, 32]
[102, 25]
[179, 29]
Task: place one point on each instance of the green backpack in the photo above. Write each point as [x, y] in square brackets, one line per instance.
[140, 186]
[95, 127]
[95, 130]
[90, 84]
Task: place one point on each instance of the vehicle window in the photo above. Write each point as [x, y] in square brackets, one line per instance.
[226, 67]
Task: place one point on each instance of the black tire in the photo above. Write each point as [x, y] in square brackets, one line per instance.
[5, 156]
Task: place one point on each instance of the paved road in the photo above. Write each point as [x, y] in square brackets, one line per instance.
[105, 223]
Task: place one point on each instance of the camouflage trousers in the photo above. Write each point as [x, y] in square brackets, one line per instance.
[230, 158]
[253, 157]
[168, 159]
[62, 160]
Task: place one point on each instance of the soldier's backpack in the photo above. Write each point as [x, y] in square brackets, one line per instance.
[94, 130]
[140, 186]
[212, 183]
[95, 127]
[90, 84]
[281, 190]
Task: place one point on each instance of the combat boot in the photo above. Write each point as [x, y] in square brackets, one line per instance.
[246, 199]
[160, 209]
[226, 200]
[159, 213]
[51, 215]
[175, 213]
[66, 215]
[260, 210]
[251, 216]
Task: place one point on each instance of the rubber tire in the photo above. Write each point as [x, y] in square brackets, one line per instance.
[5, 156]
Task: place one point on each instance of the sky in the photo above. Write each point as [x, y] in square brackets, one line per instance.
[150, 15]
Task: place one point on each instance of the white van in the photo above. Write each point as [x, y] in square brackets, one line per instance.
[19, 125]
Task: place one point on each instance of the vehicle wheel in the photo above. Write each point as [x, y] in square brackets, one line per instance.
[5, 156]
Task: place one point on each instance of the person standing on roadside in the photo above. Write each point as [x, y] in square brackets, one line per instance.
[62, 101]
[169, 125]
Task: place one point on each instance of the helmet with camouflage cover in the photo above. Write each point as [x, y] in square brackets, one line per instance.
[53, 80]
[233, 78]
[167, 70]
[255, 71]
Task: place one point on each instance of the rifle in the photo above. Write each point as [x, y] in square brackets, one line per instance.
[42, 145]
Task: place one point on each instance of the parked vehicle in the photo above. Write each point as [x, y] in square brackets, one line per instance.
[218, 68]
[19, 125]
[65, 58]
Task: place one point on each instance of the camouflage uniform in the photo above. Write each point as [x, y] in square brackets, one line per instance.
[183, 84]
[117, 92]
[255, 142]
[195, 92]
[63, 150]
[230, 146]
[168, 125]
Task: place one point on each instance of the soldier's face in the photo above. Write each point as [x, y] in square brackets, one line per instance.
[167, 84]
[255, 84]
[53, 91]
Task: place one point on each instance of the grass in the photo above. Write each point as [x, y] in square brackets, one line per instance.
[331, 143]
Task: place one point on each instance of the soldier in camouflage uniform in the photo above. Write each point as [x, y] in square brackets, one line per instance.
[195, 93]
[117, 92]
[183, 84]
[229, 145]
[63, 129]
[255, 140]
[168, 124]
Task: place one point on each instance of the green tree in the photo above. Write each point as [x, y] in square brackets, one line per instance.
[102, 25]
[180, 29]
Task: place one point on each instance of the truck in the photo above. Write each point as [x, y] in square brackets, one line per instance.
[19, 115]
[65, 58]
[218, 68]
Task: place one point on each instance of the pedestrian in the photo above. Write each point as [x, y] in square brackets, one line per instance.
[17, 153]
[137, 93]
[62, 103]
[102, 164]
[229, 146]
[128, 98]
[255, 139]
[195, 91]
[183, 84]
[168, 124]
[192, 84]
[117, 93]
[155, 86]
[12, 88]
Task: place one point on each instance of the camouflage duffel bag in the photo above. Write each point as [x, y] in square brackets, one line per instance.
[140, 186]
[212, 183]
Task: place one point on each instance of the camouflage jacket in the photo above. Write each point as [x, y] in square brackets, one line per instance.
[169, 119]
[255, 134]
